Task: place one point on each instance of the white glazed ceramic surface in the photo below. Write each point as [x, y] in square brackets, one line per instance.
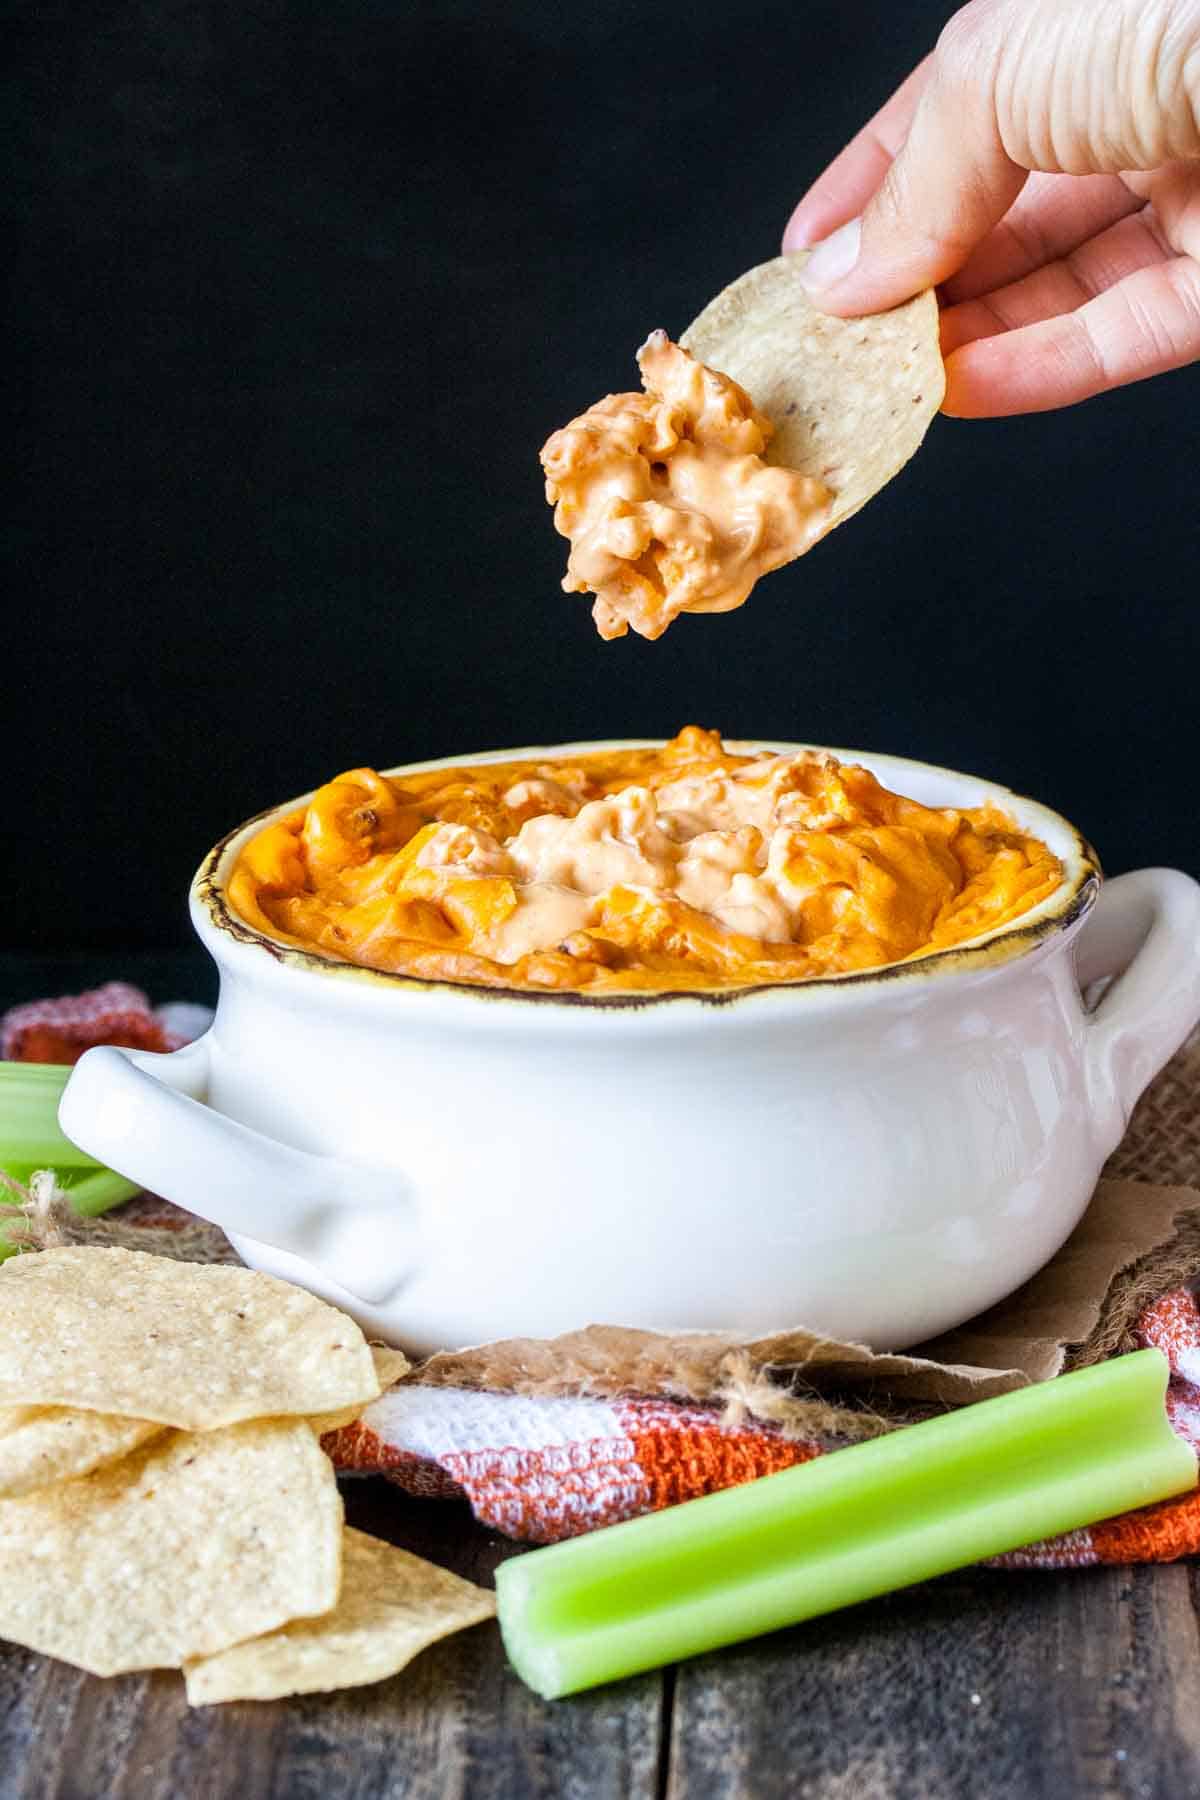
[875, 1156]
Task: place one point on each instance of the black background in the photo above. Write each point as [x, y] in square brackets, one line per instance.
[296, 295]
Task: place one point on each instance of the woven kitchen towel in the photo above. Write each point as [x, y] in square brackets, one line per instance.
[550, 1439]
[59, 1031]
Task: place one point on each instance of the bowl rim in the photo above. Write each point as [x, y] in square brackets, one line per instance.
[1067, 906]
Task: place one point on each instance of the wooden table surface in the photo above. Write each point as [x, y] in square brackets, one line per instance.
[985, 1685]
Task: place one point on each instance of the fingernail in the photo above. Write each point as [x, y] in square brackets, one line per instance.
[832, 258]
[796, 237]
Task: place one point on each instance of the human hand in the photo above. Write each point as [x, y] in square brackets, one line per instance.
[1043, 166]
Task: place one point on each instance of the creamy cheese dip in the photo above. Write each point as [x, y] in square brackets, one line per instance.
[686, 866]
[666, 498]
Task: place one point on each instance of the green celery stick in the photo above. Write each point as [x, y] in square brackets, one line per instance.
[21, 1172]
[881, 1515]
[96, 1190]
[30, 1137]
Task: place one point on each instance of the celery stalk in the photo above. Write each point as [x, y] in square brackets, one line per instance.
[30, 1137]
[96, 1190]
[877, 1516]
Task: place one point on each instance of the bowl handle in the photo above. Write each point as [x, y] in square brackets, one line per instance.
[1145, 932]
[143, 1114]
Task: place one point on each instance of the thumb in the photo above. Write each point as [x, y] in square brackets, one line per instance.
[951, 183]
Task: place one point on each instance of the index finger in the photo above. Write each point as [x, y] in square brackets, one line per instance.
[854, 175]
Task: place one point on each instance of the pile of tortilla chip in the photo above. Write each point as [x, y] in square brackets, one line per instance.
[164, 1498]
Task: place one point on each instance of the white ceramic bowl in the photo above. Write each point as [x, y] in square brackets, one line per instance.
[877, 1156]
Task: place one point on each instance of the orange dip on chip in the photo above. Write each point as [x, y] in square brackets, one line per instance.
[666, 498]
[681, 867]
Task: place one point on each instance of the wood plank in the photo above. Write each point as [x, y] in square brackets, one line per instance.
[457, 1722]
[995, 1686]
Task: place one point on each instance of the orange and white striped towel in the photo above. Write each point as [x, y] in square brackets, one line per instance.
[60, 1030]
[543, 1469]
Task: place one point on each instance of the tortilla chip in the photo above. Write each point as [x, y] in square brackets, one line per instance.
[187, 1546]
[390, 1365]
[392, 1606]
[43, 1444]
[850, 399]
[192, 1345]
